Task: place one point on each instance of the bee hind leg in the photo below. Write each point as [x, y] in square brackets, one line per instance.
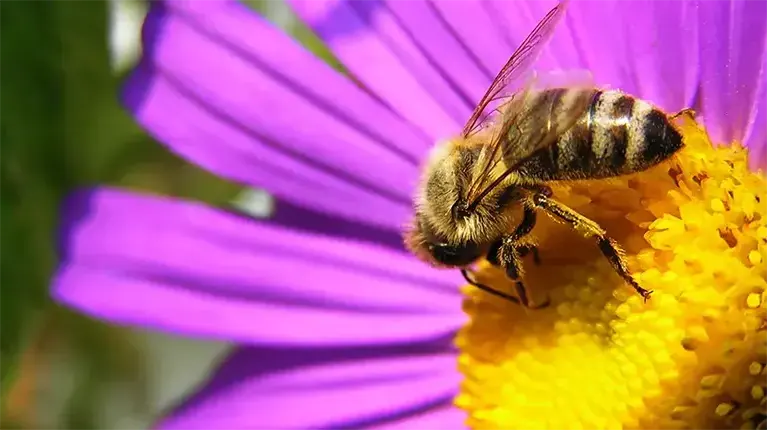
[609, 248]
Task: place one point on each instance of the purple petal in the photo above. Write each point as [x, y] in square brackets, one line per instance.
[270, 114]
[443, 417]
[663, 56]
[756, 136]
[479, 32]
[518, 18]
[377, 48]
[657, 63]
[593, 36]
[302, 389]
[186, 268]
[598, 29]
[732, 57]
[450, 55]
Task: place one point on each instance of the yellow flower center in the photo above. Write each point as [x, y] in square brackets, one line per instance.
[693, 356]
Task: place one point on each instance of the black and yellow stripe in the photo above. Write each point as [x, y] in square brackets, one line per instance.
[616, 135]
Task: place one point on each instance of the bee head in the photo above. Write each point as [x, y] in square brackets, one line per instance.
[449, 230]
[454, 255]
[438, 250]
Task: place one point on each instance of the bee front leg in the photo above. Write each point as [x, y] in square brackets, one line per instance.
[528, 248]
[505, 253]
[492, 258]
[525, 227]
[508, 257]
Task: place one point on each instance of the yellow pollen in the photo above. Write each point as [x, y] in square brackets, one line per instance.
[693, 356]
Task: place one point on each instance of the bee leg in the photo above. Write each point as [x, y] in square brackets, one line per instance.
[529, 218]
[492, 258]
[508, 255]
[526, 249]
[607, 245]
[525, 227]
[497, 256]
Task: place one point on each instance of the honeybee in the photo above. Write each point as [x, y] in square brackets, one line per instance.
[522, 135]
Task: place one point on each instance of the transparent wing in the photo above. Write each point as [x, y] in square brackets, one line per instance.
[532, 119]
[552, 103]
[513, 73]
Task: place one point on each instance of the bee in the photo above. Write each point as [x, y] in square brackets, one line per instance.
[522, 136]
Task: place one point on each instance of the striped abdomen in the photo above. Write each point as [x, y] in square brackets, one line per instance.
[617, 135]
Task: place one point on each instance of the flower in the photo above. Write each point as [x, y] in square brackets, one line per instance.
[693, 356]
[340, 327]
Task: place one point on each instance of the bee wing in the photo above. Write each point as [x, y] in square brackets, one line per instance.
[557, 99]
[514, 72]
[532, 119]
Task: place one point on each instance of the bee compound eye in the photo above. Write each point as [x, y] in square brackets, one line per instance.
[455, 255]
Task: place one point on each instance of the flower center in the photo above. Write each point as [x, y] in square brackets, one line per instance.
[695, 231]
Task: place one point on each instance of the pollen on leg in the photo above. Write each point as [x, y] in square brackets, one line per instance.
[693, 356]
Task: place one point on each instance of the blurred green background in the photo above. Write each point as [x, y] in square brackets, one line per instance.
[62, 128]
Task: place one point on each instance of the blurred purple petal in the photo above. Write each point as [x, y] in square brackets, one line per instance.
[442, 417]
[271, 114]
[187, 268]
[293, 216]
[321, 388]
[732, 57]
[378, 51]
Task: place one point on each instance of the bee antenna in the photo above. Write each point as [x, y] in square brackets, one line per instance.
[461, 210]
[487, 190]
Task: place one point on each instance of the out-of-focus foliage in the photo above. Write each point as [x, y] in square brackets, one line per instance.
[62, 127]
[44, 70]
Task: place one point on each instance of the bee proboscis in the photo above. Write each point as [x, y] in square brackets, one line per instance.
[524, 134]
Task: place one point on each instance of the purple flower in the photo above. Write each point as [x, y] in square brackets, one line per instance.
[340, 326]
